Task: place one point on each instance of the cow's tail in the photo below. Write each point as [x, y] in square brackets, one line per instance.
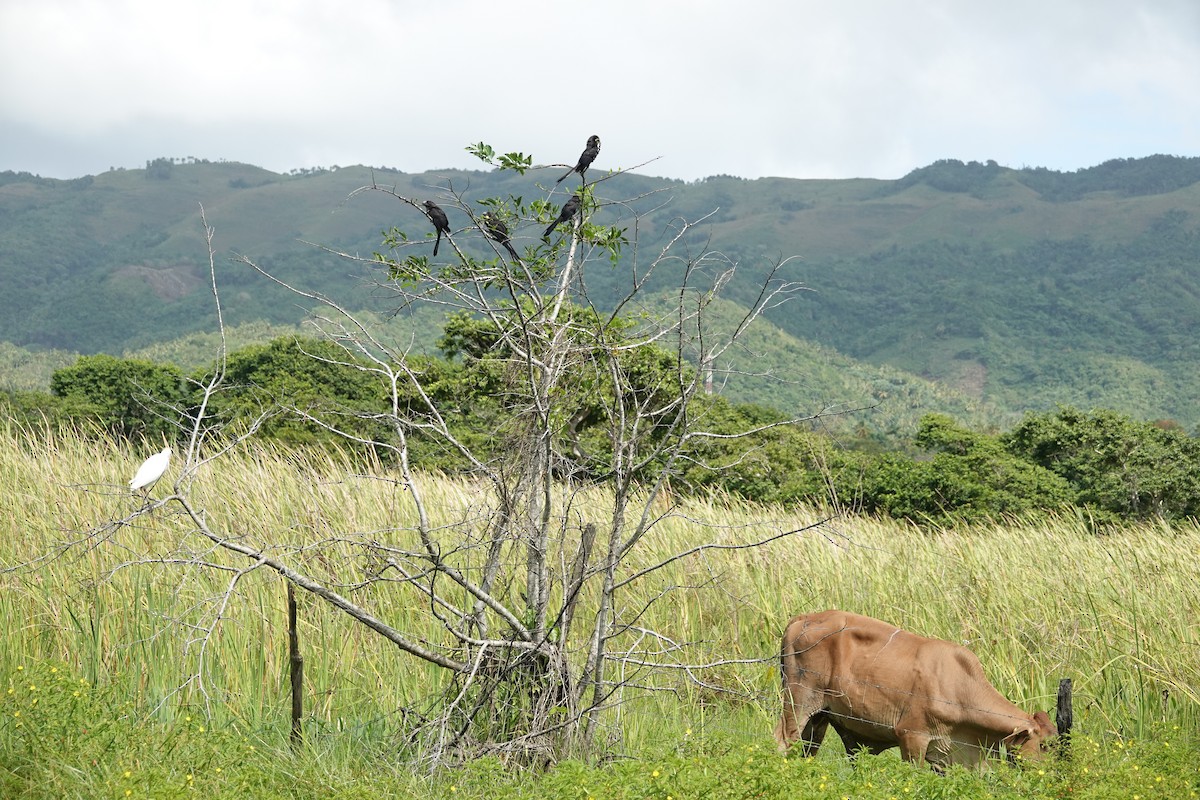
[783, 660]
[785, 649]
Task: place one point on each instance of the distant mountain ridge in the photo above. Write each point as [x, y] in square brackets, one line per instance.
[1129, 177]
[1009, 288]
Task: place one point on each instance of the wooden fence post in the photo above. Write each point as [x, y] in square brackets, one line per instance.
[296, 662]
[1064, 717]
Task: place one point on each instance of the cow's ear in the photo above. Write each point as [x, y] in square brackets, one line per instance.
[1042, 720]
[1019, 736]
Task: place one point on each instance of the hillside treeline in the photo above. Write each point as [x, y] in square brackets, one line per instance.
[297, 392]
[974, 275]
[1128, 177]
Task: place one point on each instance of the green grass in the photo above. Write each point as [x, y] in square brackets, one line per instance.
[110, 644]
[62, 737]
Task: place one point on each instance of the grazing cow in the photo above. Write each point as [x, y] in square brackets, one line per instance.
[881, 687]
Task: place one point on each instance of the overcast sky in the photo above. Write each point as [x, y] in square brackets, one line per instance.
[794, 88]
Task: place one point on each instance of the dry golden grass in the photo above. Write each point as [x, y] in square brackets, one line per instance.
[1116, 613]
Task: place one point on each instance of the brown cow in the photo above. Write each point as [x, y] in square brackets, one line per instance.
[881, 687]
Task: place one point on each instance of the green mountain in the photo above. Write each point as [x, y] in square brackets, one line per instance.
[970, 288]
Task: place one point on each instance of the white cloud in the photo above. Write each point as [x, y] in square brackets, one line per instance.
[776, 87]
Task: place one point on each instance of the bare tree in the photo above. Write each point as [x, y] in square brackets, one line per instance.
[526, 594]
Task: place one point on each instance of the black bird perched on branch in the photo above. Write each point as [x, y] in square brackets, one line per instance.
[497, 230]
[569, 209]
[440, 223]
[585, 158]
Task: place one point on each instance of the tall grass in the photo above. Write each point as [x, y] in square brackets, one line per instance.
[1117, 613]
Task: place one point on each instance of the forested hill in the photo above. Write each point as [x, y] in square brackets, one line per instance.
[1018, 287]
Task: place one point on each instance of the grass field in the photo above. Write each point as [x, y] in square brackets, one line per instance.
[112, 687]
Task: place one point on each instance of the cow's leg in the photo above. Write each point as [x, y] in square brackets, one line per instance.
[801, 719]
[851, 742]
[855, 744]
[814, 733]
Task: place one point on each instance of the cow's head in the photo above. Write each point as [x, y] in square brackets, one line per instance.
[1031, 740]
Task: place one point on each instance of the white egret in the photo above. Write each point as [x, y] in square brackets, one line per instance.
[150, 471]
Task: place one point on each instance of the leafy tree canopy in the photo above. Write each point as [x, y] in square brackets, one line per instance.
[124, 395]
[1118, 466]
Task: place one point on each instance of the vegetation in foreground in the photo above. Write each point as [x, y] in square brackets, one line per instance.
[101, 698]
[62, 737]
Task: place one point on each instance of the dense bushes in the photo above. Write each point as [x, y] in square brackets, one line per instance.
[288, 383]
[1102, 463]
[1106, 464]
[969, 475]
[1115, 465]
[126, 396]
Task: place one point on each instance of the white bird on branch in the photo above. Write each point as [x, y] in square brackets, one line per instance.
[150, 471]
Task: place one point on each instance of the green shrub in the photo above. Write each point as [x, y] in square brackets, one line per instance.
[130, 397]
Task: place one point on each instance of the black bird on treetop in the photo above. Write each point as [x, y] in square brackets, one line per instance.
[585, 159]
[497, 230]
[569, 210]
[440, 223]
